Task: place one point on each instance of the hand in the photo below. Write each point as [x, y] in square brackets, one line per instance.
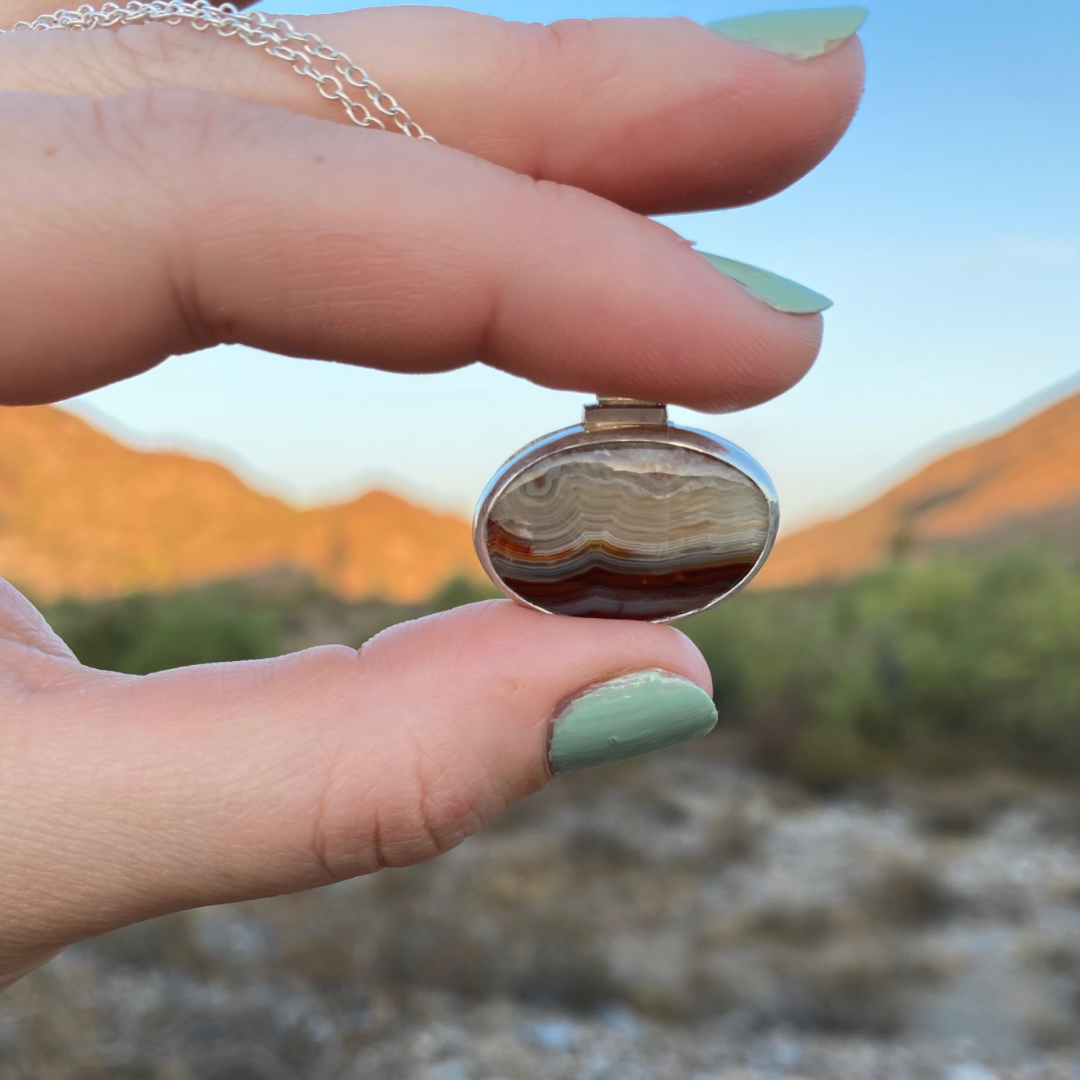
[166, 190]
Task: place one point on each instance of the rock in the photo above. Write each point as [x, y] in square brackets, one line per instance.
[447, 1070]
[551, 1034]
[970, 1071]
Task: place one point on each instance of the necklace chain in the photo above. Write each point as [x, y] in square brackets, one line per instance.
[272, 34]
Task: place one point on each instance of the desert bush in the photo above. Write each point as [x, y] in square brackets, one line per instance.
[855, 985]
[459, 591]
[936, 665]
[908, 893]
[149, 632]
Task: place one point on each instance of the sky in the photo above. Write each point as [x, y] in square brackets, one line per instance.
[945, 226]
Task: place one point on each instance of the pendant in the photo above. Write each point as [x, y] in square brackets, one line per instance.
[626, 516]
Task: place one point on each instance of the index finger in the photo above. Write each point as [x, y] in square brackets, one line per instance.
[659, 115]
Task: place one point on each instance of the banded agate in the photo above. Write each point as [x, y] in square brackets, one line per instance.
[633, 530]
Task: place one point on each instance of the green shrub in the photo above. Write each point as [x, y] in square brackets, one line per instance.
[459, 591]
[937, 664]
[147, 632]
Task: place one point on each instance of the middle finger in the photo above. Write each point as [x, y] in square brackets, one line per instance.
[170, 220]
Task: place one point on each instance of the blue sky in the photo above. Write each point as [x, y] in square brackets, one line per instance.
[946, 226]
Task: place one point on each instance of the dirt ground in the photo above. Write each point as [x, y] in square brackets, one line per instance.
[684, 918]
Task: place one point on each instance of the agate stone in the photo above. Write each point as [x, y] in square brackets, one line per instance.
[633, 530]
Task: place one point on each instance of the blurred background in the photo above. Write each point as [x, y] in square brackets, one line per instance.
[871, 868]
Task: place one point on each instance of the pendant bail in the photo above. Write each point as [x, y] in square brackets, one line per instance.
[616, 412]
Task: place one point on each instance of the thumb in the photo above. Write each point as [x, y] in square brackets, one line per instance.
[122, 798]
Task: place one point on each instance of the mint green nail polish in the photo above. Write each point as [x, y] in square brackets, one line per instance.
[778, 292]
[798, 34]
[627, 716]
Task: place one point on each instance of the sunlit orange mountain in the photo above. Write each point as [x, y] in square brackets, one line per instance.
[1022, 485]
[83, 515]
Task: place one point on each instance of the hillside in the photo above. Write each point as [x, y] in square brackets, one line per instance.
[83, 515]
[1023, 484]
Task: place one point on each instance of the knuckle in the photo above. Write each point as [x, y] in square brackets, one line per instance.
[103, 62]
[145, 55]
[174, 123]
[415, 813]
[177, 141]
[444, 807]
[169, 111]
[573, 60]
[424, 796]
[88, 133]
[160, 160]
[562, 47]
[559, 58]
[142, 126]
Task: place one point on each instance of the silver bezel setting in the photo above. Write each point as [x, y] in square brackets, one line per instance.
[578, 437]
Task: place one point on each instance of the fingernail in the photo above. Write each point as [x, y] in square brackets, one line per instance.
[778, 292]
[798, 34]
[628, 716]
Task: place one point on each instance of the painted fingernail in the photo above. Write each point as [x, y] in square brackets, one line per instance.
[798, 34]
[627, 716]
[778, 292]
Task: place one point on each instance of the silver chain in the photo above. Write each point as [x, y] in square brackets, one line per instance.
[272, 34]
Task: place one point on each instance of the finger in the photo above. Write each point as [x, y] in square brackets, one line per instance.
[172, 220]
[24, 631]
[656, 114]
[208, 785]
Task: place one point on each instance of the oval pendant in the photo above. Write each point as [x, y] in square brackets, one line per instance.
[626, 516]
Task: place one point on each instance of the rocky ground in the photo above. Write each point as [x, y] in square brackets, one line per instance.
[679, 919]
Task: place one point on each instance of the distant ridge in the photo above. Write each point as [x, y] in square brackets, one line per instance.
[1021, 485]
[83, 515]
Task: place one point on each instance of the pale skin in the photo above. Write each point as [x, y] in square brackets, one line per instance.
[163, 191]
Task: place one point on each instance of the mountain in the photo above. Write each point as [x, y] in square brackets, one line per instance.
[1022, 485]
[83, 515]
